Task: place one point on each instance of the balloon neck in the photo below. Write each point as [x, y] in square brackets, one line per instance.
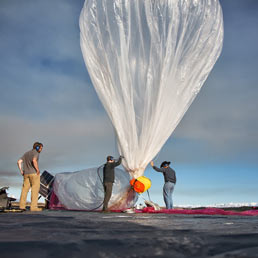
[136, 172]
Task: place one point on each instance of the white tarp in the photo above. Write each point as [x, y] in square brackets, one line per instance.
[83, 190]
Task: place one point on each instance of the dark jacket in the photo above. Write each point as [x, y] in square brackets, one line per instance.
[169, 174]
[109, 171]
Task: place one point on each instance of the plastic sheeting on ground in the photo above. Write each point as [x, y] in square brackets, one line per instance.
[83, 190]
[205, 211]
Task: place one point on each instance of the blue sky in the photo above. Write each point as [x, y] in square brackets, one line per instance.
[46, 95]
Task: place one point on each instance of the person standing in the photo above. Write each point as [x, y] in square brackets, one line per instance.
[109, 178]
[170, 181]
[28, 166]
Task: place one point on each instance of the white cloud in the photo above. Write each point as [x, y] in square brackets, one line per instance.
[68, 144]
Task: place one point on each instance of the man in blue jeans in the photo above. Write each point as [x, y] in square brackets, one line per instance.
[170, 181]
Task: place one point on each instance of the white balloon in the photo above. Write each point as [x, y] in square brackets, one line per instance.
[147, 60]
[84, 190]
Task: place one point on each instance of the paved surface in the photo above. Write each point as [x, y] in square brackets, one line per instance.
[93, 234]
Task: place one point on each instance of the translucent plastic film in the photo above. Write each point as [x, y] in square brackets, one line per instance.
[147, 61]
[83, 190]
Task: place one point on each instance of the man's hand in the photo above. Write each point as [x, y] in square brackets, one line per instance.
[152, 163]
[19, 163]
[38, 172]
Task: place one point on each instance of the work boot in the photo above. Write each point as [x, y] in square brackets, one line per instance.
[106, 211]
[36, 209]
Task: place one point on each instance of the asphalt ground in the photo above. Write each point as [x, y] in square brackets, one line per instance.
[94, 234]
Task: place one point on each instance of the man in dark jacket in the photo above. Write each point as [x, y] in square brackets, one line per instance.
[170, 181]
[109, 178]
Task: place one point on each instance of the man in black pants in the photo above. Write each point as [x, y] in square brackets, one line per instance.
[109, 178]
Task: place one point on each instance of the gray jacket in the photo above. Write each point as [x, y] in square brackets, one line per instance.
[169, 174]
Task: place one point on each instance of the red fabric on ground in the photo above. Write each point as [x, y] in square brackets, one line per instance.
[206, 211]
[54, 203]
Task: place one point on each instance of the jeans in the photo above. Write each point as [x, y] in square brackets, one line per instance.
[168, 189]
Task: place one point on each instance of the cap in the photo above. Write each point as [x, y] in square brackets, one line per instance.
[110, 158]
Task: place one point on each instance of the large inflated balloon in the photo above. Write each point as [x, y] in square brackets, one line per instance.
[147, 60]
[84, 190]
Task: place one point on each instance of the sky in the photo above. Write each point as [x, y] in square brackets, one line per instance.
[46, 95]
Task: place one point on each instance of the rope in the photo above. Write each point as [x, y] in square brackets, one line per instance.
[149, 195]
[103, 187]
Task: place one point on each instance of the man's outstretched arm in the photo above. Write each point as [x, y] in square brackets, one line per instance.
[156, 168]
[118, 162]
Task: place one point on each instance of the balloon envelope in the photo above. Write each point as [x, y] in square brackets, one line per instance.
[147, 61]
[84, 190]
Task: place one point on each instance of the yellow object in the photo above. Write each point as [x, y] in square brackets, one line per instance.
[140, 184]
